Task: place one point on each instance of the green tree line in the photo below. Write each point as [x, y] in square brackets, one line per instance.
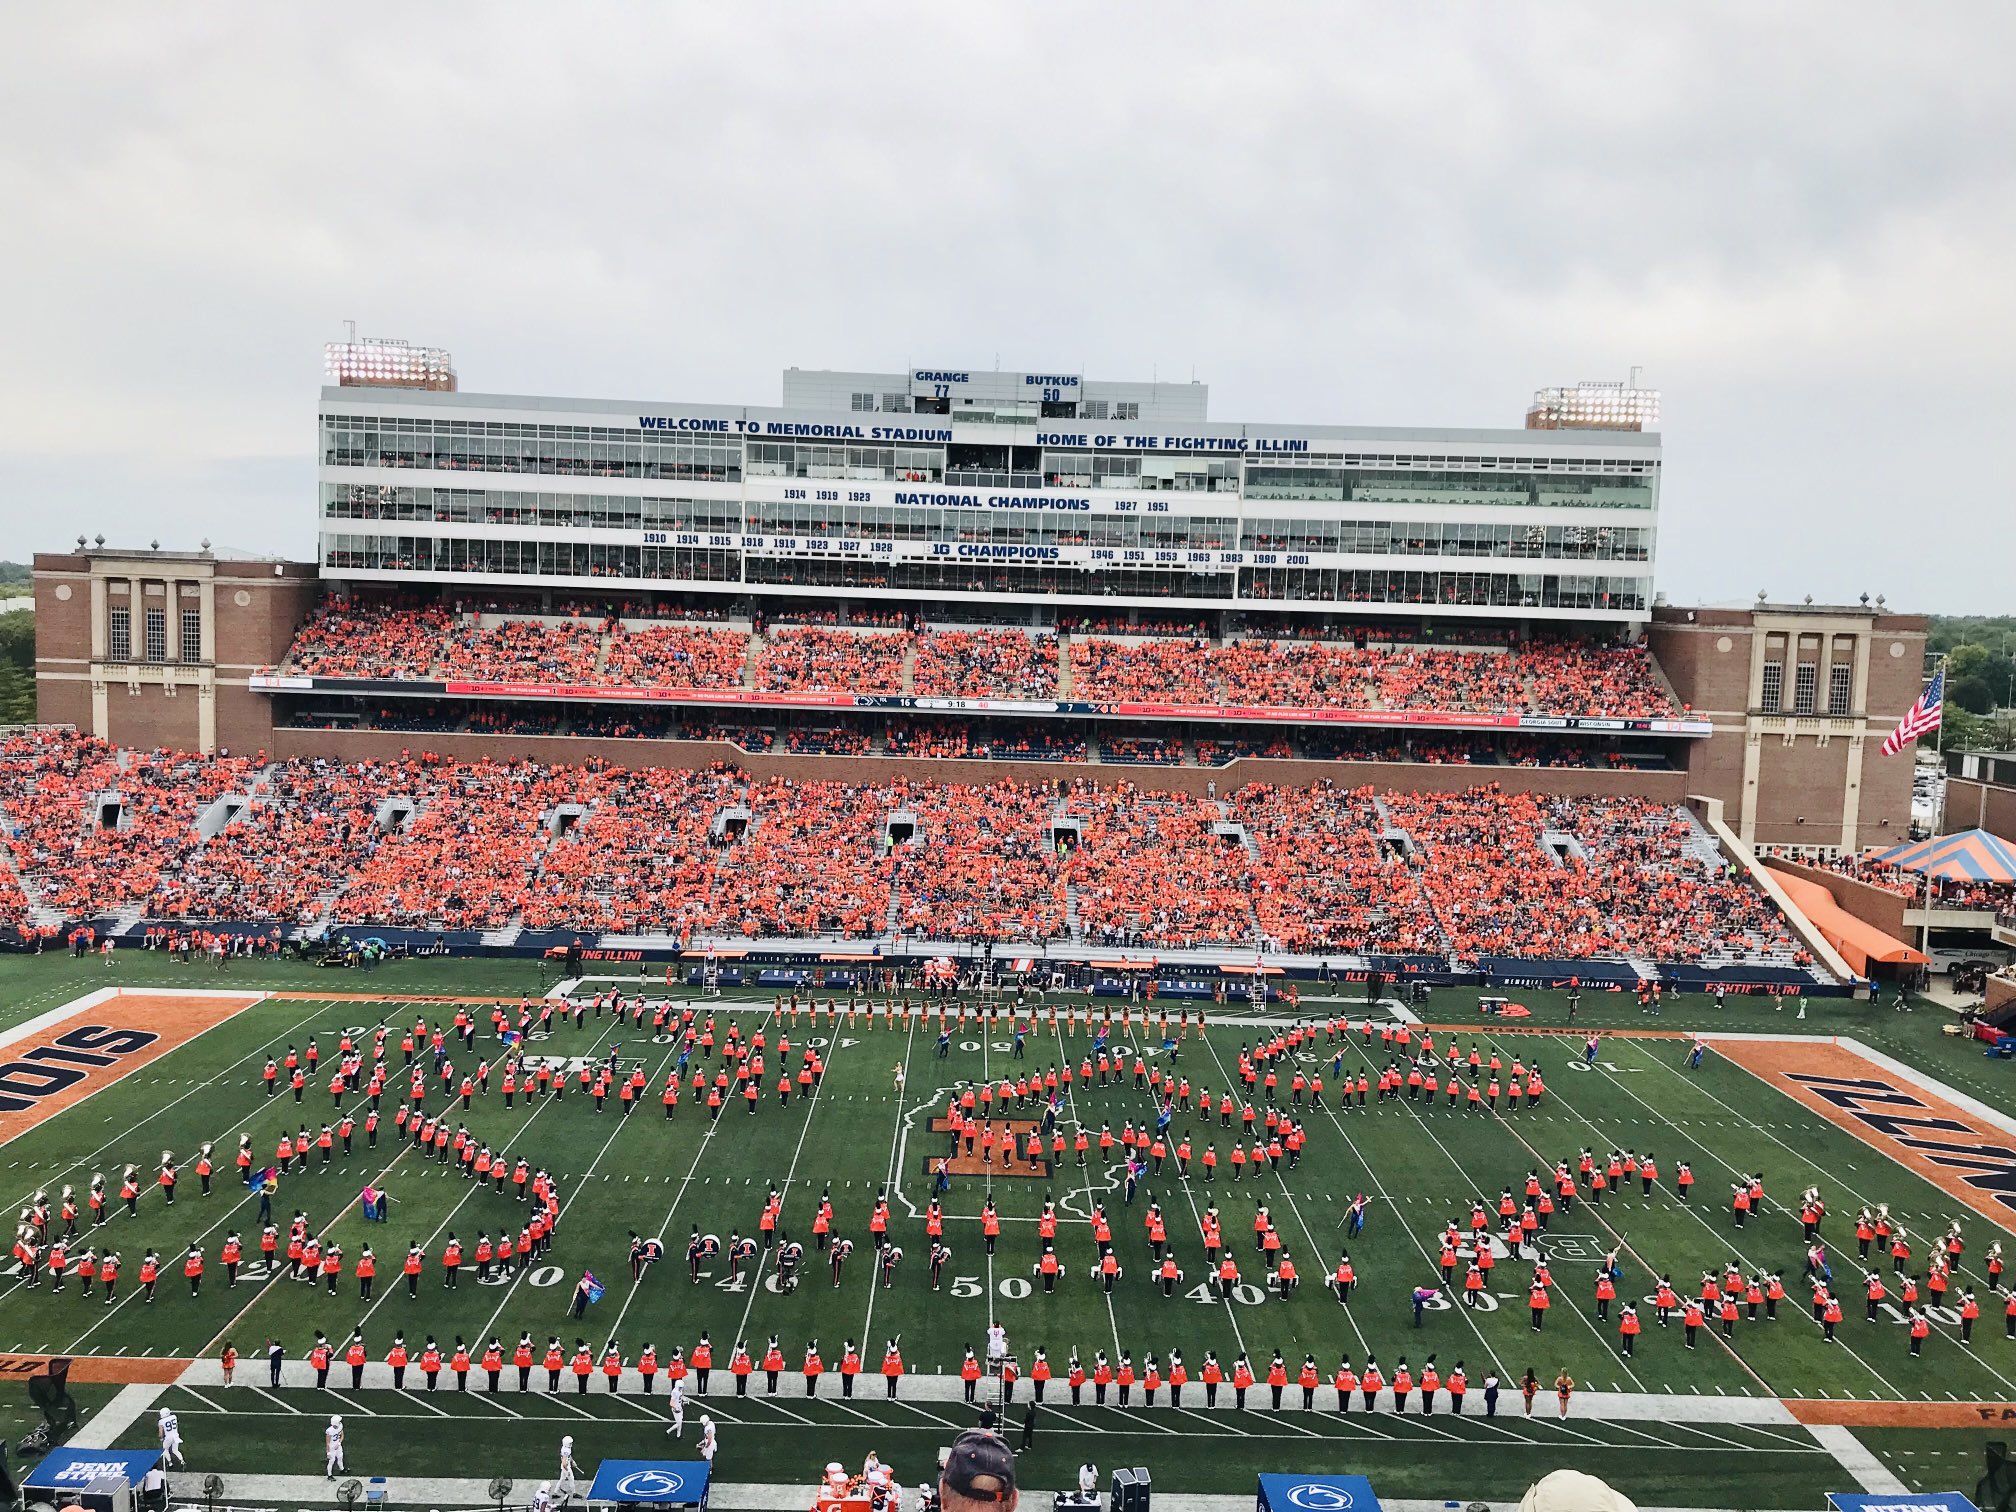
[17, 667]
[1980, 653]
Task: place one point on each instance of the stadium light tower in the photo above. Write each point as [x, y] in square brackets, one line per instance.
[1595, 405]
[388, 362]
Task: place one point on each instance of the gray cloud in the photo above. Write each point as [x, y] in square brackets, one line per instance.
[1796, 217]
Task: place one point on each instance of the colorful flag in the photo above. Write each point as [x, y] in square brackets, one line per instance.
[1923, 717]
[267, 1180]
[593, 1287]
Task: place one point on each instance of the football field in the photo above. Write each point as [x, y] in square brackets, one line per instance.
[1731, 1406]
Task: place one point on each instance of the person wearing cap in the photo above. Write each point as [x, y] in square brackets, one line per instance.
[979, 1473]
[332, 1448]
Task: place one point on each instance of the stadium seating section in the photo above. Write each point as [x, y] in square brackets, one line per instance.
[597, 650]
[430, 842]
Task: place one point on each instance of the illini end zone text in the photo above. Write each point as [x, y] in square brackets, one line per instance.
[61, 1064]
[1967, 1155]
[54, 1062]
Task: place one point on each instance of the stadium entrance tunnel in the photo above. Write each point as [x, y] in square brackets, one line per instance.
[394, 814]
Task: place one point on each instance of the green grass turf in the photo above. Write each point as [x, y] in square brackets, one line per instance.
[789, 1439]
[1934, 1459]
[661, 1178]
[18, 1415]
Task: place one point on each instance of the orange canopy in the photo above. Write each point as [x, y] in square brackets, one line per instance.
[1859, 943]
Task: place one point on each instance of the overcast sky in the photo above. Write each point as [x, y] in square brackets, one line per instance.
[1799, 219]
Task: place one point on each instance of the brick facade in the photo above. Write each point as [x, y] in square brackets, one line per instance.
[1980, 805]
[1786, 776]
[244, 614]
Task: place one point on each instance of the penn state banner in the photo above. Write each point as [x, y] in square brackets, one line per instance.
[658, 1482]
[1317, 1493]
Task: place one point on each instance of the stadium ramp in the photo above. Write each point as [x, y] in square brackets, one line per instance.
[1707, 812]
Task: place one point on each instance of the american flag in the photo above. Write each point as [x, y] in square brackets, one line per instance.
[1922, 718]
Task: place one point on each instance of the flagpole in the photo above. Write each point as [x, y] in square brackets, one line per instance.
[1939, 750]
[1939, 735]
[1938, 819]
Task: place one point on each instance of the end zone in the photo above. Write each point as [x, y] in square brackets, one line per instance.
[1842, 1413]
[1958, 1144]
[102, 1370]
[60, 1058]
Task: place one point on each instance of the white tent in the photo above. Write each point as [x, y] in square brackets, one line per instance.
[1572, 1491]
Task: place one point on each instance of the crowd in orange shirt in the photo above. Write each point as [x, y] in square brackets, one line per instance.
[675, 656]
[642, 858]
[989, 870]
[1500, 887]
[808, 659]
[531, 651]
[1538, 679]
[1619, 681]
[986, 664]
[1569, 678]
[369, 640]
[1149, 868]
[429, 842]
[1324, 879]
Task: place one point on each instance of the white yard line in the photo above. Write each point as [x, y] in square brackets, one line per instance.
[1824, 1175]
[1112, 1317]
[1315, 1251]
[1372, 1173]
[580, 1183]
[117, 1415]
[1582, 1317]
[1720, 1238]
[88, 1161]
[1849, 1452]
[713, 1127]
[171, 1272]
[820, 1098]
[893, 1176]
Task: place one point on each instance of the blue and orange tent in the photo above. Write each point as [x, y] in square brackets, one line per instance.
[1970, 856]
